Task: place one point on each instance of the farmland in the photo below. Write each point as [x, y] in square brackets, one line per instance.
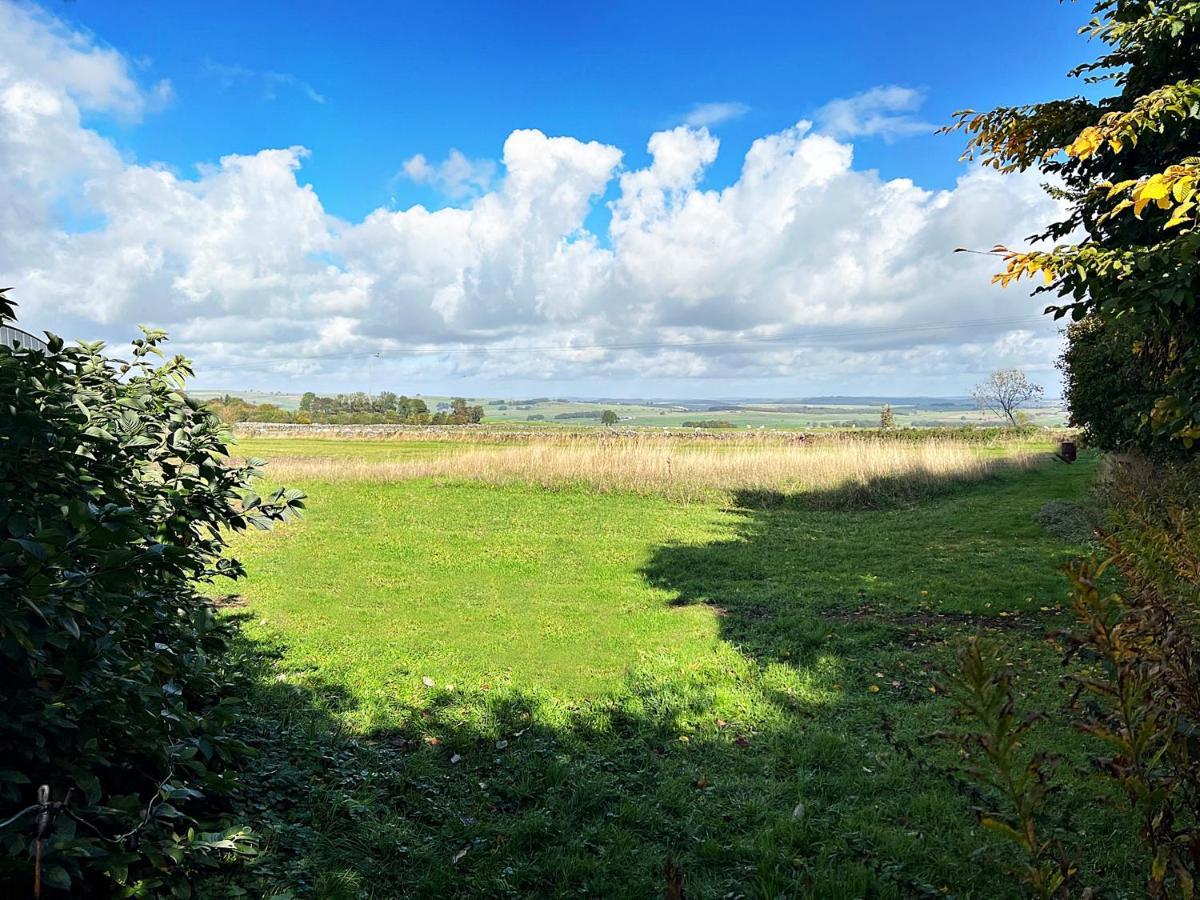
[802, 413]
[485, 682]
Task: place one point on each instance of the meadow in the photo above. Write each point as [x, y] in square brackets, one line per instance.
[833, 469]
[496, 670]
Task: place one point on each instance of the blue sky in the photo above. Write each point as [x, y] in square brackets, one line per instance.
[400, 79]
[366, 88]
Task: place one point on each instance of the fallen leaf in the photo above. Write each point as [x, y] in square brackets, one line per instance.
[874, 689]
[675, 881]
[742, 741]
[455, 759]
[500, 745]
[427, 681]
[432, 741]
[461, 853]
[798, 812]
[701, 782]
[721, 723]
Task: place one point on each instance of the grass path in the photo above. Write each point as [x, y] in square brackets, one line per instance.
[616, 679]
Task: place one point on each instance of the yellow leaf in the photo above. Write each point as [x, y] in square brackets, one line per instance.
[1121, 186]
[1178, 218]
[1153, 189]
[1087, 143]
[1158, 868]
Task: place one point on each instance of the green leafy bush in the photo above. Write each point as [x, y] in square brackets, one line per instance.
[1106, 388]
[114, 497]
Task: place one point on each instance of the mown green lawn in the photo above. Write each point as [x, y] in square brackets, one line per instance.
[506, 691]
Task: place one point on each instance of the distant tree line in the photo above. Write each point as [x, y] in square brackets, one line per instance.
[708, 423]
[359, 408]
[584, 414]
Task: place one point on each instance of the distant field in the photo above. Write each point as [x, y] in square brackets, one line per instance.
[285, 401]
[833, 413]
[500, 690]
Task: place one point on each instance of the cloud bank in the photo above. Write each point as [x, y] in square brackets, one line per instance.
[804, 270]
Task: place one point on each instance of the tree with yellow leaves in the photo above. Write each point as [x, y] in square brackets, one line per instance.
[1126, 254]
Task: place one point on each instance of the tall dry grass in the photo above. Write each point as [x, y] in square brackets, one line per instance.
[834, 472]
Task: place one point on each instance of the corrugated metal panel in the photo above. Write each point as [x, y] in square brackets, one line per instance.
[11, 336]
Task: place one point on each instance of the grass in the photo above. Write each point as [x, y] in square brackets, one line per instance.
[499, 690]
[832, 468]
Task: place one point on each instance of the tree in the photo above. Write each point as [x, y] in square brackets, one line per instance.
[462, 414]
[887, 419]
[608, 417]
[385, 402]
[116, 492]
[306, 402]
[1127, 169]
[1006, 391]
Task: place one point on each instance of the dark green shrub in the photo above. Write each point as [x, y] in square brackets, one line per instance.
[114, 497]
[1106, 387]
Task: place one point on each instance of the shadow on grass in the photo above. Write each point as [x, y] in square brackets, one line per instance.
[506, 795]
[811, 572]
[766, 771]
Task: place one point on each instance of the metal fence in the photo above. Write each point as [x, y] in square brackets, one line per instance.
[15, 337]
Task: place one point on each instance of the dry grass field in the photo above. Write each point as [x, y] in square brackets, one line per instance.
[667, 466]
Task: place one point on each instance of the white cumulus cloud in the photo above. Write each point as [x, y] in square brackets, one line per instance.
[803, 269]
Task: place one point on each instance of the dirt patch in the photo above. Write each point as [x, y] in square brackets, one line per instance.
[230, 601]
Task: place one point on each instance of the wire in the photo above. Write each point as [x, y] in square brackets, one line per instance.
[23, 812]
